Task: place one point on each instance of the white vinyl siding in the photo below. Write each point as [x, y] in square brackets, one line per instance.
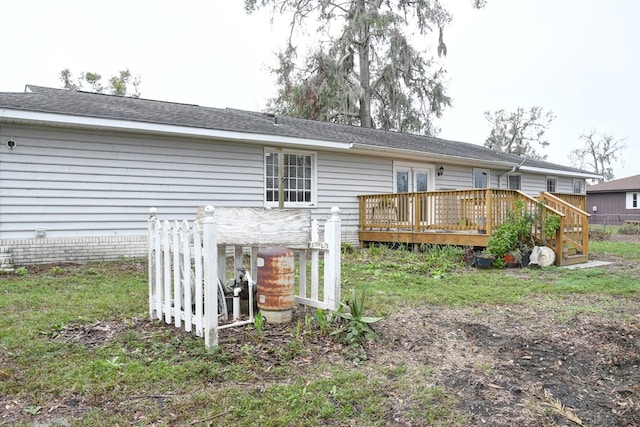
[341, 178]
[99, 184]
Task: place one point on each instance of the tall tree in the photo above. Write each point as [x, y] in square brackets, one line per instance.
[598, 153]
[122, 84]
[519, 132]
[365, 69]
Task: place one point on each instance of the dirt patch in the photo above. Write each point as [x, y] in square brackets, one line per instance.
[542, 363]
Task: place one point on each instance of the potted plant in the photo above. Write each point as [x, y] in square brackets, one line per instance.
[484, 259]
[513, 258]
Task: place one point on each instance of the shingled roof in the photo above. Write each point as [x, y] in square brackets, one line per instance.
[630, 183]
[92, 105]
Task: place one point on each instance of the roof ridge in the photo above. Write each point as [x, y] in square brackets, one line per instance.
[110, 95]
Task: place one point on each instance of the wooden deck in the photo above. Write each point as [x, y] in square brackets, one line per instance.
[467, 218]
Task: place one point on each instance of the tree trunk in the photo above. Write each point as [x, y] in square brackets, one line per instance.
[365, 79]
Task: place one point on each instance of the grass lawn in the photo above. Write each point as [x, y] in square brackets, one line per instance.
[77, 348]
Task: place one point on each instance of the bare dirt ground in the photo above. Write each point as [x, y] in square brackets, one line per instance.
[528, 366]
[547, 362]
[544, 363]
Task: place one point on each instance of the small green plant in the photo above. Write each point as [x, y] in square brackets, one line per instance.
[21, 271]
[114, 362]
[357, 325]
[347, 248]
[258, 323]
[321, 318]
[56, 270]
[33, 409]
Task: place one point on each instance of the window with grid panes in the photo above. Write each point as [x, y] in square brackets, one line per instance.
[298, 179]
[551, 184]
[515, 182]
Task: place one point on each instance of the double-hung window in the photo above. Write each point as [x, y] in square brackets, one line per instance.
[515, 182]
[578, 185]
[480, 178]
[298, 175]
[552, 183]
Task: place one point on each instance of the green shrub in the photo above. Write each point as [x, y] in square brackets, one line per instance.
[629, 229]
[514, 233]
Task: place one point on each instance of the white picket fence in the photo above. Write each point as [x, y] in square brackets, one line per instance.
[187, 262]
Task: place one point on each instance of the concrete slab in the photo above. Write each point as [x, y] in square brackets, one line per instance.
[593, 263]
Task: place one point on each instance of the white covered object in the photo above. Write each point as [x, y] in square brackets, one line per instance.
[542, 256]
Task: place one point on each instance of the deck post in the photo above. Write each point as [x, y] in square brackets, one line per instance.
[362, 201]
[489, 210]
[559, 243]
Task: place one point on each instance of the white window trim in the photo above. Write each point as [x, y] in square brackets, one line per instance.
[546, 182]
[314, 179]
[582, 186]
[630, 200]
[473, 177]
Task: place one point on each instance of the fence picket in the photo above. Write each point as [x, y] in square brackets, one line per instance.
[183, 281]
[197, 254]
[186, 275]
[177, 289]
[158, 267]
[166, 247]
[315, 261]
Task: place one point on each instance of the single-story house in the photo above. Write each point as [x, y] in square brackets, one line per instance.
[79, 171]
[614, 202]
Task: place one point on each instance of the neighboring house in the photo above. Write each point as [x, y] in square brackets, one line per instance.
[79, 171]
[614, 202]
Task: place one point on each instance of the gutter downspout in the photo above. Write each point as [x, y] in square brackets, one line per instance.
[513, 169]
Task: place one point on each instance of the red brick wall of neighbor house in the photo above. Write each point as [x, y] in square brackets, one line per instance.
[611, 209]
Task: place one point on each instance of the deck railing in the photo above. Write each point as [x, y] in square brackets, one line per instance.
[478, 211]
[577, 200]
[574, 226]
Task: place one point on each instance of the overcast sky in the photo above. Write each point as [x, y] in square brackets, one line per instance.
[577, 58]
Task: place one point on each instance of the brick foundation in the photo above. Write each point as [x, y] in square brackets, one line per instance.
[75, 249]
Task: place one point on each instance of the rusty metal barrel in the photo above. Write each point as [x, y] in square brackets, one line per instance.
[276, 268]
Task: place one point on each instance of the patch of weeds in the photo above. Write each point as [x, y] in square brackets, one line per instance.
[33, 410]
[629, 229]
[321, 318]
[355, 327]
[433, 404]
[394, 371]
[21, 271]
[114, 362]
[485, 367]
[54, 331]
[56, 270]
